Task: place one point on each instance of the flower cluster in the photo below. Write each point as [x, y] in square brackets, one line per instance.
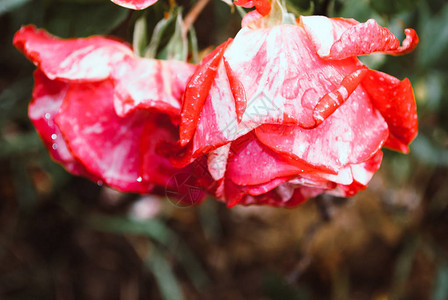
[281, 113]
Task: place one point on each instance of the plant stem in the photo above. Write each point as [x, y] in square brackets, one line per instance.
[194, 13]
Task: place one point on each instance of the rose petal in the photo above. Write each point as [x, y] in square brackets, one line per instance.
[324, 32]
[154, 167]
[335, 39]
[262, 6]
[135, 4]
[217, 162]
[81, 59]
[218, 123]
[236, 194]
[237, 90]
[250, 17]
[48, 96]
[333, 100]
[351, 135]
[282, 75]
[197, 91]
[395, 101]
[252, 163]
[362, 173]
[107, 145]
[150, 84]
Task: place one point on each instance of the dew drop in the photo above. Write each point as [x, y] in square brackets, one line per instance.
[99, 183]
[309, 98]
[290, 88]
[54, 146]
[54, 136]
[139, 179]
[47, 116]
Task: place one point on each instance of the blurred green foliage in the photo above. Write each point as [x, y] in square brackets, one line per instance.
[65, 237]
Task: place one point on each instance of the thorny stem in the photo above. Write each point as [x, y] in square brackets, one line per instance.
[193, 14]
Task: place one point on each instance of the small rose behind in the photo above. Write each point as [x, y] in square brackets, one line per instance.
[102, 111]
[285, 111]
[135, 4]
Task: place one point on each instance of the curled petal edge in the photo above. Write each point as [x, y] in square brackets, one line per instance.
[343, 38]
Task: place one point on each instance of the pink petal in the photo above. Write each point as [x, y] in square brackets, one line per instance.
[217, 162]
[336, 40]
[108, 146]
[150, 84]
[282, 75]
[235, 194]
[324, 32]
[328, 104]
[263, 7]
[395, 101]
[135, 4]
[362, 173]
[80, 59]
[217, 123]
[154, 167]
[252, 163]
[351, 135]
[197, 91]
[48, 96]
[237, 90]
[250, 17]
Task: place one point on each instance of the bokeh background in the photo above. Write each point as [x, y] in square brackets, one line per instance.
[63, 237]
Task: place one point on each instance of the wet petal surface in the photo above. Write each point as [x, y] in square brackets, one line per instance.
[79, 59]
[150, 84]
[340, 39]
[48, 96]
[106, 144]
[351, 135]
[396, 102]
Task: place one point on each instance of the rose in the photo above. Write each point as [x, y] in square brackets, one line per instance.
[286, 111]
[101, 111]
[135, 4]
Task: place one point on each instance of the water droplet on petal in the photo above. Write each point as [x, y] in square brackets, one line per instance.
[54, 146]
[99, 183]
[54, 136]
[47, 116]
[139, 179]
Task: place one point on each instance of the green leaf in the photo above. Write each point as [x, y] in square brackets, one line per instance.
[392, 7]
[81, 20]
[429, 153]
[193, 44]
[357, 9]
[9, 5]
[403, 266]
[177, 48]
[139, 40]
[441, 285]
[158, 33]
[22, 144]
[14, 100]
[434, 36]
[166, 280]
[159, 232]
